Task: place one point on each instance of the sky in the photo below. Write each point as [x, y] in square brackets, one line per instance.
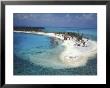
[80, 20]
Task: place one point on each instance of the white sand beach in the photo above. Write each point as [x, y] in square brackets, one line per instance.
[72, 55]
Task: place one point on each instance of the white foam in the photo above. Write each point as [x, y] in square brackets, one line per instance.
[77, 56]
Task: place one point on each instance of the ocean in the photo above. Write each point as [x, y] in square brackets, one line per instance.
[29, 48]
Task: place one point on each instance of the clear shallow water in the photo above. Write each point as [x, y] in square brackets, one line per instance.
[29, 46]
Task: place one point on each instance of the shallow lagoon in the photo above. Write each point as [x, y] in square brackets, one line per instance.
[28, 45]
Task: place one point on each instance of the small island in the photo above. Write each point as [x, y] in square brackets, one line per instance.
[78, 49]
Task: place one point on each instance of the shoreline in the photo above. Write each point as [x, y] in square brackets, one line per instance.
[72, 56]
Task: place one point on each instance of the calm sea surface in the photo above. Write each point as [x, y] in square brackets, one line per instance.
[29, 46]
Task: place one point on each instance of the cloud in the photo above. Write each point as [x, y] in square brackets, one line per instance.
[56, 19]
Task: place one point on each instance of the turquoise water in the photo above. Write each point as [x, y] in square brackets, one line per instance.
[88, 32]
[28, 47]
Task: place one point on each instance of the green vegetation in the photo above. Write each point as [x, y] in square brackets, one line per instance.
[36, 29]
[79, 36]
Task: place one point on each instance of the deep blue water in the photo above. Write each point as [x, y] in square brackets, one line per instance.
[26, 46]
